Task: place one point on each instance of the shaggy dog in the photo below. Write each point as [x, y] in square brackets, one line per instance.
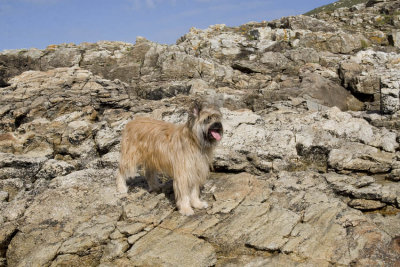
[183, 152]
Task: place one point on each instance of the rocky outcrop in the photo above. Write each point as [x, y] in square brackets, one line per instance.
[307, 172]
[261, 60]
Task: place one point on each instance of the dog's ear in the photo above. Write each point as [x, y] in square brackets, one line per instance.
[194, 112]
[196, 108]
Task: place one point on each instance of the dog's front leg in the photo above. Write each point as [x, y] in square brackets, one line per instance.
[182, 197]
[195, 200]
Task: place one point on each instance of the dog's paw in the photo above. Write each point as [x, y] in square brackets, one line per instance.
[123, 190]
[157, 189]
[205, 204]
[186, 211]
[200, 205]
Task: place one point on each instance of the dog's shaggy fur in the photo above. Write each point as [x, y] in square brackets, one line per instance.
[183, 152]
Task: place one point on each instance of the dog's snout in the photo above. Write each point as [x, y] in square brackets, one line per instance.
[216, 125]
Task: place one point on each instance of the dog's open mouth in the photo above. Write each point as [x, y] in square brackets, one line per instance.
[215, 131]
[215, 134]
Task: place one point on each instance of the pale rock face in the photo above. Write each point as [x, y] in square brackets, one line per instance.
[306, 174]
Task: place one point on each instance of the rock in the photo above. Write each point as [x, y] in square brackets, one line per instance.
[53, 168]
[11, 186]
[245, 260]
[272, 235]
[80, 86]
[338, 42]
[360, 157]
[91, 227]
[355, 78]
[305, 55]
[237, 188]
[364, 188]
[307, 23]
[144, 212]
[88, 235]
[395, 38]
[394, 175]
[74, 139]
[110, 160]
[22, 167]
[17, 61]
[129, 228]
[133, 238]
[14, 210]
[60, 56]
[114, 249]
[3, 196]
[364, 204]
[73, 260]
[390, 225]
[390, 100]
[390, 92]
[329, 94]
[106, 138]
[166, 248]
[347, 71]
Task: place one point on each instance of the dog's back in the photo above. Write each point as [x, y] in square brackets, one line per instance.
[147, 131]
[154, 144]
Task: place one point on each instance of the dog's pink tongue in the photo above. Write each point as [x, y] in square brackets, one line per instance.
[216, 135]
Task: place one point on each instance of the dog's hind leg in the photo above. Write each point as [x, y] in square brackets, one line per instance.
[121, 182]
[152, 180]
[126, 170]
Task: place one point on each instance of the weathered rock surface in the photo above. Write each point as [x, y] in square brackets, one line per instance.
[307, 173]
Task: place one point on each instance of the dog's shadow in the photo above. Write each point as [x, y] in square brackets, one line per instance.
[139, 181]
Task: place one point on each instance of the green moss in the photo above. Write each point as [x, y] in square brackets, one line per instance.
[332, 7]
[385, 19]
[364, 44]
[396, 13]
[388, 19]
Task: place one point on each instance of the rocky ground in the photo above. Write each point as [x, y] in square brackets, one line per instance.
[307, 173]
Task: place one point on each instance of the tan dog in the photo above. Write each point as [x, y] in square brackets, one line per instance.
[183, 152]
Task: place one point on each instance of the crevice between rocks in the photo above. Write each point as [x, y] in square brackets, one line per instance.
[225, 169]
[4, 246]
[19, 120]
[243, 69]
[225, 256]
[4, 83]
[82, 53]
[257, 250]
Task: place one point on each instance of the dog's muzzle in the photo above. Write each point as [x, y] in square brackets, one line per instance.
[215, 131]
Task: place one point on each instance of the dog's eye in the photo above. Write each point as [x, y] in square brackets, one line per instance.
[208, 119]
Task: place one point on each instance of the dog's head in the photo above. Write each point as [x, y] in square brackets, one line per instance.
[205, 122]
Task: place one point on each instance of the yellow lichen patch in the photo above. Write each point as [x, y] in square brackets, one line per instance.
[395, 61]
[51, 47]
[378, 39]
[285, 36]
[219, 27]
